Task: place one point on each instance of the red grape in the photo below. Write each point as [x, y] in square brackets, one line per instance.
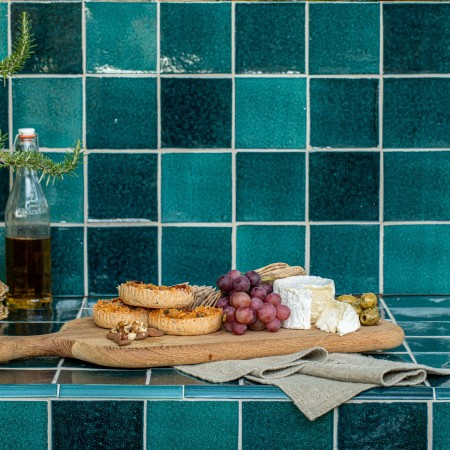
[283, 312]
[245, 315]
[225, 283]
[240, 300]
[273, 299]
[253, 277]
[256, 304]
[273, 326]
[241, 283]
[239, 328]
[234, 273]
[229, 314]
[266, 313]
[257, 326]
[223, 302]
[259, 292]
[267, 286]
[228, 326]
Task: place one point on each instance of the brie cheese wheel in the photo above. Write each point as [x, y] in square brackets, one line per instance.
[338, 317]
[299, 301]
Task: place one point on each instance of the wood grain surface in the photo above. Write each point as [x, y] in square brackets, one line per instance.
[83, 340]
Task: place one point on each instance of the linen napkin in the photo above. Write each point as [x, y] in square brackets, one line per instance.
[316, 381]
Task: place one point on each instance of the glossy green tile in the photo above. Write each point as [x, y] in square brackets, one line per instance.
[110, 377]
[196, 187]
[4, 113]
[116, 255]
[198, 255]
[356, 247]
[411, 393]
[195, 113]
[383, 425]
[33, 419]
[258, 246]
[39, 362]
[439, 360]
[198, 425]
[122, 186]
[53, 106]
[416, 38]
[431, 345]
[270, 38]
[80, 424]
[121, 392]
[4, 191]
[18, 376]
[3, 30]
[425, 328]
[420, 301]
[270, 112]
[195, 38]
[67, 261]
[270, 186]
[416, 113]
[441, 425]
[344, 112]
[344, 186]
[344, 38]
[260, 430]
[169, 376]
[416, 258]
[120, 37]
[56, 28]
[121, 113]
[413, 314]
[65, 197]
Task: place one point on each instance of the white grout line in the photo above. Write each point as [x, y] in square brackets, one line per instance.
[380, 143]
[159, 168]
[240, 425]
[233, 140]
[308, 145]
[49, 425]
[144, 425]
[430, 425]
[335, 428]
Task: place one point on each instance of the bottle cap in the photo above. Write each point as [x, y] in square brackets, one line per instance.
[27, 132]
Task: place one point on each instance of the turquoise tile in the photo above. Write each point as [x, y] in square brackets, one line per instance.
[422, 301]
[65, 197]
[442, 393]
[117, 255]
[3, 31]
[56, 28]
[416, 113]
[67, 260]
[425, 328]
[225, 391]
[121, 113]
[438, 360]
[270, 38]
[195, 38]
[29, 379]
[441, 382]
[120, 37]
[79, 424]
[260, 245]
[344, 186]
[113, 391]
[260, 429]
[123, 186]
[413, 314]
[32, 431]
[4, 191]
[355, 247]
[344, 38]
[102, 377]
[161, 376]
[28, 390]
[198, 425]
[270, 186]
[397, 393]
[53, 106]
[383, 425]
[416, 258]
[441, 425]
[270, 112]
[436, 344]
[2, 254]
[39, 362]
[344, 112]
[4, 113]
[195, 113]
[195, 254]
[416, 38]
[196, 187]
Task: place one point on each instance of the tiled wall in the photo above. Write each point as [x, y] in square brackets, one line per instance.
[237, 134]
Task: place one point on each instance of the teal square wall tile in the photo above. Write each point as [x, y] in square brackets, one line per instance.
[120, 37]
[416, 113]
[441, 425]
[344, 38]
[199, 425]
[121, 113]
[438, 360]
[344, 113]
[88, 424]
[32, 417]
[4, 113]
[53, 106]
[195, 254]
[196, 187]
[65, 197]
[270, 186]
[259, 430]
[102, 377]
[67, 261]
[270, 38]
[344, 185]
[259, 245]
[356, 247]
[4, 191]
[195, 113]
[270, 112]
[416, 38]
[3, 30]
[421, 327]
[116, 255]
[195, 38]
[56, 29]
[122, 186]
[416, 258]
[383, 425]
[431, 345]
[417, 186]
[2, 253]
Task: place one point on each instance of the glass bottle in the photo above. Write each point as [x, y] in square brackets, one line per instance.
[27, 235]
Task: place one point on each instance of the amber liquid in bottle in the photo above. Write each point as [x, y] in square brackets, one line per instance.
[28, 273]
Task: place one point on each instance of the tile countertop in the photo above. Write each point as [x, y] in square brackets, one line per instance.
[425, 320]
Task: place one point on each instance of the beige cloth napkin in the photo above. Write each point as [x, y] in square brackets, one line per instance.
[316, 381]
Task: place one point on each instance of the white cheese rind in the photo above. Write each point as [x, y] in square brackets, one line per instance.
[338, 317]
[299, 301]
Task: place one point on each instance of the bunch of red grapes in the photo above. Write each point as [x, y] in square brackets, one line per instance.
[250, 304]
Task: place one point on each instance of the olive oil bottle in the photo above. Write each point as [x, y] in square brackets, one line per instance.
[27, 235]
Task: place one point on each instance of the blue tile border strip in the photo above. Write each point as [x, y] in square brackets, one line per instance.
[120, 391]
[28, 391]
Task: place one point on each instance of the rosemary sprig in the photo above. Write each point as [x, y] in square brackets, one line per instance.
[21, 51]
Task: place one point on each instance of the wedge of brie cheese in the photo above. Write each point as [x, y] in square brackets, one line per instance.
[299, 301]
[338, 317]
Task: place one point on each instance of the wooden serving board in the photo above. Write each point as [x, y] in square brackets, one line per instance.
[82, 339]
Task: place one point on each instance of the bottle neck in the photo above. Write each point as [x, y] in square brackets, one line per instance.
[26, 144]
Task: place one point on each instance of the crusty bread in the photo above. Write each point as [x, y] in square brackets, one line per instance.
[108, 313]
[201, 320]
[152, 296]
